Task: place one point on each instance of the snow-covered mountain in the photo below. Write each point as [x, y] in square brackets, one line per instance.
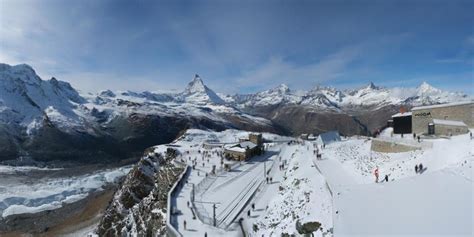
[36, 116]
[334, 99]
[50, 120]
[198, 93]
[25, 98]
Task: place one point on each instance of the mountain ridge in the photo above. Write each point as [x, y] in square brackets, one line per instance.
[49, 118]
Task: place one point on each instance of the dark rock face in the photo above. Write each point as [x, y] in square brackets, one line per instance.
[138, 205]
[298, 119]
[120, 138]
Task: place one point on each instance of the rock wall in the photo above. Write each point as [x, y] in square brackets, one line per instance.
[139, 207]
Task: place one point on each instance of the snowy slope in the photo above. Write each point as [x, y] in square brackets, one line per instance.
[437, 202]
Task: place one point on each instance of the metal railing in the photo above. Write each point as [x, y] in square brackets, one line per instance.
[171, 231]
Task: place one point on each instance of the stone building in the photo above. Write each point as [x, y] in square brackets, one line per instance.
[443, 119]
[256, 138]
[245, 149]
[447, 127]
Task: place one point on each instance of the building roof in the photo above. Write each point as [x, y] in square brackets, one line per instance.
[248, 144]
[235, 148]
[443, 105]
[241, 147]
[329, 137]
[401, 114]
[449, 122]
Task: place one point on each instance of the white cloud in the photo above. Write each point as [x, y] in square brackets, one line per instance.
[277, 70]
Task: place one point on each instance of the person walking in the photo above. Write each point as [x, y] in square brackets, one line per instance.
[184, 223]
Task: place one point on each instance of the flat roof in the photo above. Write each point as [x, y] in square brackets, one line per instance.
[401, 114]
[449, 122]
[443, 105]
[248, 144]
[236, 148]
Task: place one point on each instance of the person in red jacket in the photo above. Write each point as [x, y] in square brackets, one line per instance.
[376, 173]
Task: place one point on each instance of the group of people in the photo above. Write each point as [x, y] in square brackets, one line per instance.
[419, 168]
[376, 173]
[416, 137]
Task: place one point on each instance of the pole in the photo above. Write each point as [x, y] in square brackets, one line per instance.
[193, 193]
[214, 213]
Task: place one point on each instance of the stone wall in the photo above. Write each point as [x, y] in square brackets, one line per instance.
[422, 117]
[448, 130]
[391, 146]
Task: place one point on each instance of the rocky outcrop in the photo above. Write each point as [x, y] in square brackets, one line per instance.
[139, 207]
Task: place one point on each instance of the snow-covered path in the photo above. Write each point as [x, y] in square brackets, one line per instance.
[409, 207]
[436, 202]
[335, 174]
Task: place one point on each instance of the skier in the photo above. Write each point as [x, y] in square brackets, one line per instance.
[416, 169]
[421, 168]
[253, 206]
[248, 213]
[414, 136]
[205, 234]
[418, 139]
[376, 173]
[386, 178]
[184, 224]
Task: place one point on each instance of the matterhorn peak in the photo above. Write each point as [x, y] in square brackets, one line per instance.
[372, 86]
[424, 87]
[196, 85]
[197, 92]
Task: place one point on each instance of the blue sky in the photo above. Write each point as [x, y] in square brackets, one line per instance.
[242, 46]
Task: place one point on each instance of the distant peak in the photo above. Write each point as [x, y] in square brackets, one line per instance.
[283, 88]
[196, 85]
[425, 87]
[17, 68]
[425, 84]
[372, 86]
[201, 92]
